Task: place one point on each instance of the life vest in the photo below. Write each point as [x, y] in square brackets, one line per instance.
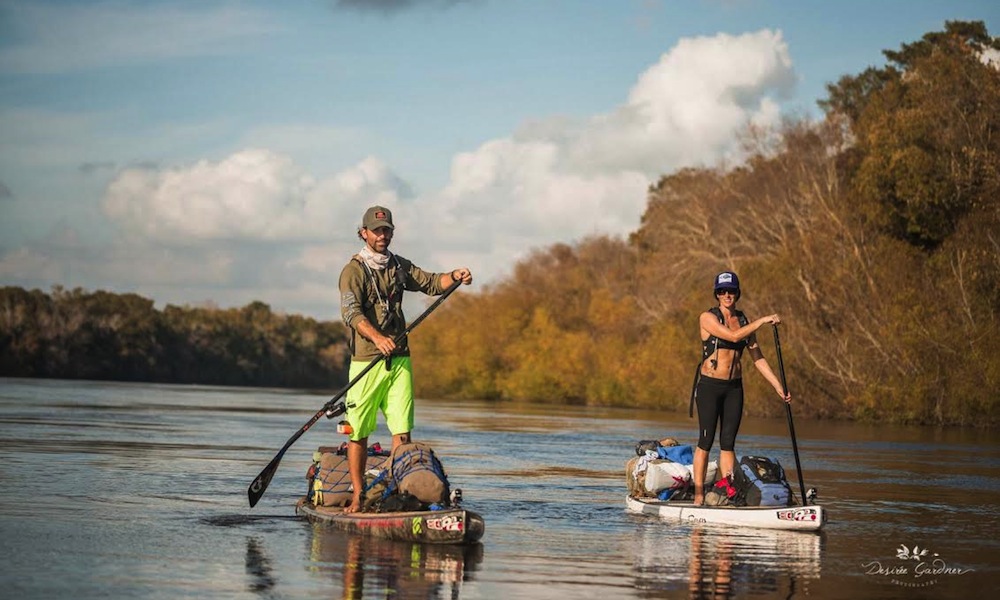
[389, 308]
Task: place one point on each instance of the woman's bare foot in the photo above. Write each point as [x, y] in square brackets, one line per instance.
[699, 494]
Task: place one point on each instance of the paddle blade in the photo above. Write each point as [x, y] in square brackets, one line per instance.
[259, 485]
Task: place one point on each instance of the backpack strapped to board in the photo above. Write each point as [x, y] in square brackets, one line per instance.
[760, 481]
[415, 470]
[330, 477]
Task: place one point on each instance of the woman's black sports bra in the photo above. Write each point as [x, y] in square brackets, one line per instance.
[709, 346]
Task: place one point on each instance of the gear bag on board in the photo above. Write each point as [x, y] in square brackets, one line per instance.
[330, 478]
[760, 481]
[415, 470]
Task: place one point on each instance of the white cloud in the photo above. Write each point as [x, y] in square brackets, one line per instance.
[559, 180]
[685, 109]
[509, 196]
[68, 37]
[258, 225]
[252, 195]
[371, 179]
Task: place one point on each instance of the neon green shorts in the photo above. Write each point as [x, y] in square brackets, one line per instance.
[390, 392]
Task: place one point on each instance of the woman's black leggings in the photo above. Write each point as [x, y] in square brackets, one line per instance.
[719, 401]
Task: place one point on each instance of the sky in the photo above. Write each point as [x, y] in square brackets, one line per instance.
[216, 153]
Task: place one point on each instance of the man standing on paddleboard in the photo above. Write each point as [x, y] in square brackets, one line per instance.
[371, 304]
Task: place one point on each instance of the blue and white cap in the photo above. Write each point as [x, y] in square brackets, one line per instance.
[727, 279]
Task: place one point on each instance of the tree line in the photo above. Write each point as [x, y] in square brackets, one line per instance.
[101, 335]
[874, 233]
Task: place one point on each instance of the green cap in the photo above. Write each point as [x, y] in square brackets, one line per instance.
[377, 216]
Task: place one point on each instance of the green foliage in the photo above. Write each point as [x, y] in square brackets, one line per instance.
[850, 95]
[100, 335]
[927, 129]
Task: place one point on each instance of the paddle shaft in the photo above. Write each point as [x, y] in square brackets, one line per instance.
[332, 408]
[788, 413]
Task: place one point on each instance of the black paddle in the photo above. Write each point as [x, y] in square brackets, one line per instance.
[332, 408]
[788, 412]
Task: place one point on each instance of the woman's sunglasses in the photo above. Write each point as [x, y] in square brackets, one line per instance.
[724, 291]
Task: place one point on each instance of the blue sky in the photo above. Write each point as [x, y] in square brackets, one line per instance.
[225, 151]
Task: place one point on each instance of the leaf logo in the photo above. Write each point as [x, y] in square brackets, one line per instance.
[906, 554]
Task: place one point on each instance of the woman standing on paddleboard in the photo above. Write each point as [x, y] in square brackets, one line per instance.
[718, 391]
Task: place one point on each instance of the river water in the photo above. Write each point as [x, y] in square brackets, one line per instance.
[139, 491]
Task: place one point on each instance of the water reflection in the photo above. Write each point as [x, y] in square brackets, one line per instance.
[152, 463]
[718, 562]
[258, 567]
[710, 573]
[373, 568]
